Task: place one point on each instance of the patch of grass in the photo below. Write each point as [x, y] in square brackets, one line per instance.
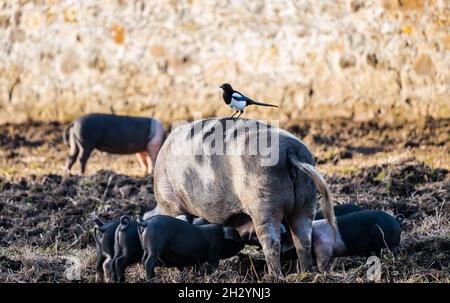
[86, 182]
[380, 176]
[348, 170]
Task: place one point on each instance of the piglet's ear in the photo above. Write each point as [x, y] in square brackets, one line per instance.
[283, 229]
[97, 221]
[141, 222]
[400, 218]
[141, 226]
[231, 234]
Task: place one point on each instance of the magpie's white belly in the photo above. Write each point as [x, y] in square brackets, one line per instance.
[238, 105]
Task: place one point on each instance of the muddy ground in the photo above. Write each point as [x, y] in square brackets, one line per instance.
[45, 215]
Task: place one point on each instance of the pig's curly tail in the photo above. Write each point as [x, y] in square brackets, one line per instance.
[124, 222]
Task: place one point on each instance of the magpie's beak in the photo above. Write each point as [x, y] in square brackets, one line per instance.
[221, 86]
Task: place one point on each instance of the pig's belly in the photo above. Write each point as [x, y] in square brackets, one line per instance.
[123, 148]
[214, 203]
[180, 258]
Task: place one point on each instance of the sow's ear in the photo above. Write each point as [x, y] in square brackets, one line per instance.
[231, 234]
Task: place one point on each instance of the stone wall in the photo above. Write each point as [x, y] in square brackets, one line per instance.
[365, 59]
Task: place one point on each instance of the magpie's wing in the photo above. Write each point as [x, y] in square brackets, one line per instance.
[240, 97]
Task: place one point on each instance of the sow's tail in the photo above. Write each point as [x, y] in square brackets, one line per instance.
[326, 202]
[67, 134]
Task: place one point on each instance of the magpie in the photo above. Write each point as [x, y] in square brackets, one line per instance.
[238, 101]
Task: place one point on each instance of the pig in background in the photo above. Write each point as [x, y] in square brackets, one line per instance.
[116, 135]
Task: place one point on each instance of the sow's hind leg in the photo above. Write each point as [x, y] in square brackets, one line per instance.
[300, 220]
[267, 226]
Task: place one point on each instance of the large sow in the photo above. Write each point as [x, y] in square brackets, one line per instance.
[220, 170]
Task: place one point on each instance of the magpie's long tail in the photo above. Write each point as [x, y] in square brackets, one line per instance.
[262, 104]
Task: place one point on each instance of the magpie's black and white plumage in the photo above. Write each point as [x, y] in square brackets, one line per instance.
[238, 101]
